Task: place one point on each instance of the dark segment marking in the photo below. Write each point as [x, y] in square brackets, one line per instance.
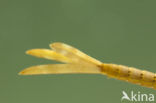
[129, 72]
[154, 78]
[141, 75]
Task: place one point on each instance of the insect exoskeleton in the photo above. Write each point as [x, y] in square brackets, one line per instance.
[79, 62]
[130, 74]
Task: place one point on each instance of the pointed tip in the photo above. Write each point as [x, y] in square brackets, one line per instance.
[50, 45]
[33, 51]
[28, 52]
[23, 72]
[20, 73]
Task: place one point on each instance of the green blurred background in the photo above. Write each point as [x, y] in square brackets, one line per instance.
[114, 31]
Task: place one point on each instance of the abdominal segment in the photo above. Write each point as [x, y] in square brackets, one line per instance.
[130, 74]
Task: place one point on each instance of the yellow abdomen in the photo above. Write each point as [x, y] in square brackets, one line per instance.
[130, 74]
